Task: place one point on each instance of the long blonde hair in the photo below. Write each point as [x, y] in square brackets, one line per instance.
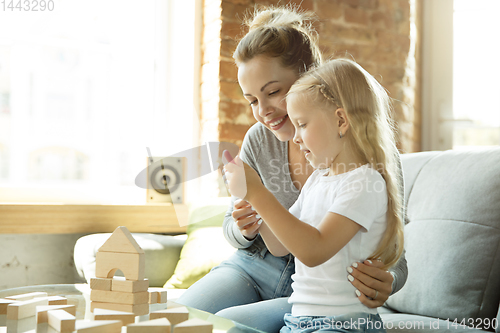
[342, 83]
[282, 32]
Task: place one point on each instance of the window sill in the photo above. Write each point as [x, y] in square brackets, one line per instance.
[73, 219]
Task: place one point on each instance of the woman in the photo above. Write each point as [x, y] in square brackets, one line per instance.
[252, 287]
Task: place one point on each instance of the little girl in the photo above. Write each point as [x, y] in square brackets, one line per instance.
[349, 208]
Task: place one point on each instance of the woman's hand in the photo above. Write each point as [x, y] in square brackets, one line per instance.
[246, 219]
[242, 181]
[373, 283]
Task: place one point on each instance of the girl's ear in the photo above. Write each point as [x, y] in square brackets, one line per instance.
[342, 121]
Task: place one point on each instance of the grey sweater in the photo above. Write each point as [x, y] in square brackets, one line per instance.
[269, 157]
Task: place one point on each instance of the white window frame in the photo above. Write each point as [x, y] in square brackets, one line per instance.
[437, 75]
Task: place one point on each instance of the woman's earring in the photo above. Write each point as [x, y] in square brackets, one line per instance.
[340, 135]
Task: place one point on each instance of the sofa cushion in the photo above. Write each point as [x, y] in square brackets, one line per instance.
[205, 246]
[452, 240]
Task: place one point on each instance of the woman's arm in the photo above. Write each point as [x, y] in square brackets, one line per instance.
[369, 279]
[400, 273]
[241, 231]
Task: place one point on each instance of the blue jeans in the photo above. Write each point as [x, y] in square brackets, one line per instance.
[251, 287]
[351, 322]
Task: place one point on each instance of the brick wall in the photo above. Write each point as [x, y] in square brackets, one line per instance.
[381, 35]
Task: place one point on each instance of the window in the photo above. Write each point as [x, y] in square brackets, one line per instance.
[460, 73]
[85, 88]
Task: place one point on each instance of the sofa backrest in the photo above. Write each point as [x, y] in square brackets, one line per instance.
[452, 239]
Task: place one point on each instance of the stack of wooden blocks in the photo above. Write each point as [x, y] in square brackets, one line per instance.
[114, 301]
[130, 294]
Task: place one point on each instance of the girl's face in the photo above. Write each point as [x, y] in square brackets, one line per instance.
[316, 131]
[265, 82]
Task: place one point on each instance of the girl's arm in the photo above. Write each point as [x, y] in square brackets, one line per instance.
[312, 246]
[273, 244]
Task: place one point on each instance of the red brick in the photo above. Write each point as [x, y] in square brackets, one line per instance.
[404, 27]
[307, 5]
[369, 4]
[327, 9]
[342, 33]
[227, 47]
[228, 70]
[232, 110]
[232, 133]
[235, 12]
[268, 2]
[239, 2]
[230, 90]
[356, 51]
[381, 20]
[391, 73]
[356, 15]
[231, 30]
[352, 3]
[386, 5]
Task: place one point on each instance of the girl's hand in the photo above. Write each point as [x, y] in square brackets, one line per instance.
[373, 283]
[246, 219]
[242, 181]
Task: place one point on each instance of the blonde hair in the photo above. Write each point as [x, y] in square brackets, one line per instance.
[345, 84]
[282, 32]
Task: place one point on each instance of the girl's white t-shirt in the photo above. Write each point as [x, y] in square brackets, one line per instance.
[359, 195]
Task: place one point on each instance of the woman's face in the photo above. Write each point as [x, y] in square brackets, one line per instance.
[265, 82]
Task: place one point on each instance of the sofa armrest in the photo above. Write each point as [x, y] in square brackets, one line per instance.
[162, 254]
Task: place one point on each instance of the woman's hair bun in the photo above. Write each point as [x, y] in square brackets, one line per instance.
[284, 32]
[288, 16]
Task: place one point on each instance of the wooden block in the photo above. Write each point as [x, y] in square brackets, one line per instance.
[138, 309]
[119, 297]
[57, 300]
[194, 326]
[161, 325]
[3, 305]
[100, 284]
[25, 297]
[174, 315]
[132, 265]
[98, 326]
[24, 309]
[121, 241]
[61, 320]
[125, 317]
[120, 284]
[161, 294]
[41, 311]
[153, 297]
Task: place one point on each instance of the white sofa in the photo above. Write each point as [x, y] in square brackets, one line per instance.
[452, 244]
